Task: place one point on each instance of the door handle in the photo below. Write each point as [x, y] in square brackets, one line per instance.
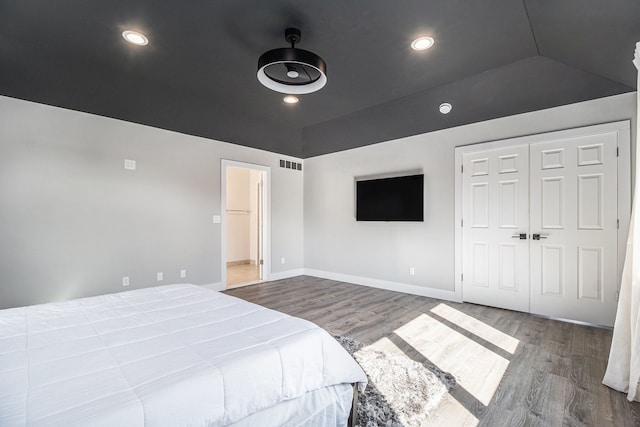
[539, 236]
[521, 236]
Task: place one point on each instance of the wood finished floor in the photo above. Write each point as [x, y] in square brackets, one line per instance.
[513, 369]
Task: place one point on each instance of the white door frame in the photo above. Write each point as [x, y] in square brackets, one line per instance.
[266, 217]
[623, 128]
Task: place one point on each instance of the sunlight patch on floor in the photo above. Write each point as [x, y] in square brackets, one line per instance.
[477, 369]
[450, 412]
[388, 346]
[478, 328]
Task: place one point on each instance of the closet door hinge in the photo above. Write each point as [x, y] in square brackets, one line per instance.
[461, 277]
[617, 152]
[618, 221]
[462, 223]
[461, 169]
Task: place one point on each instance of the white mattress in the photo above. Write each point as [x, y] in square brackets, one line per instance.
[171, 355]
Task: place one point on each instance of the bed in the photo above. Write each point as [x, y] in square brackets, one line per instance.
[170, 355]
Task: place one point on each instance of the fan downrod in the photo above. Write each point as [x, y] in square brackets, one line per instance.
[292, 35]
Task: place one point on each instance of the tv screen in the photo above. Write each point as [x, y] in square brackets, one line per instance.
[390, 199]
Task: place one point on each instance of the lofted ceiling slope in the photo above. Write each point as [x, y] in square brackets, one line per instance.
[198, 74]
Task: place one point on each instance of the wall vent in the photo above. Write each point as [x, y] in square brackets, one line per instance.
[287, 164]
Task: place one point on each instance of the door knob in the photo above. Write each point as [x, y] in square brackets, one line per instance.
[521, 236]
[539, 236]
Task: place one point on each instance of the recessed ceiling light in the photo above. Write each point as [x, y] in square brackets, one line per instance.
[445, 108]
[135, 37]
[290, 99]
[422, 43]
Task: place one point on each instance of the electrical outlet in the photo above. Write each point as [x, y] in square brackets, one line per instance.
[125, 281]
[216, 219]
[412, 271]
[160, 276]
[282, 260]
[183, 274]
[130, 164]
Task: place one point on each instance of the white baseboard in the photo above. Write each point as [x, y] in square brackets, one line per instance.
[217, 286]
[357, 280]
[286, 274]
[385, 284]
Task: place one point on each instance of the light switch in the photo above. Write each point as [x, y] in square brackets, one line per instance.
[216, 219]
[183, 274]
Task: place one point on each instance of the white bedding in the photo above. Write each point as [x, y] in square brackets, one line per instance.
[170, 355]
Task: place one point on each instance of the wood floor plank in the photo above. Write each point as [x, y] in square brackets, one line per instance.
[625, 414]
[553, 374]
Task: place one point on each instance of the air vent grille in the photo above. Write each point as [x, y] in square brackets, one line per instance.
[287, 164]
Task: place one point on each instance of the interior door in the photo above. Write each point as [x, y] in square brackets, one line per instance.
[260, 227]
[495, 199]
[574, 227]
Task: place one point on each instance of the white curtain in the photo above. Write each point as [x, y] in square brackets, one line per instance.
[623, 369]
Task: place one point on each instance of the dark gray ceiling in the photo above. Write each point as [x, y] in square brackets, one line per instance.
[492, 58]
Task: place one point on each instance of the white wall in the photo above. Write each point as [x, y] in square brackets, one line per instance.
[379, 253]
[238, 208]
[73, 221]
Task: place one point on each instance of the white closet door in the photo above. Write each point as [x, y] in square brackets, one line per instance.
[495, 202]
[574, 211]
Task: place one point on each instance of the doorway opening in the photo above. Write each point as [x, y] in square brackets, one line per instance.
[244, 226]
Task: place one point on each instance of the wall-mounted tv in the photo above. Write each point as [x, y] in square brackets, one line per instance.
[390, 199]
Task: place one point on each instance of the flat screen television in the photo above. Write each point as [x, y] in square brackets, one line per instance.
[390, 199]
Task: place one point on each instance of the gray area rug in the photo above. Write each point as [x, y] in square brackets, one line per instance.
[401, 391]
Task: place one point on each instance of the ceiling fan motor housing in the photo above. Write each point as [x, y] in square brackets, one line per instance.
[291, 70]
